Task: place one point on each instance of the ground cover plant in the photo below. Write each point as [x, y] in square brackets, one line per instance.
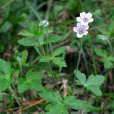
[56, 57]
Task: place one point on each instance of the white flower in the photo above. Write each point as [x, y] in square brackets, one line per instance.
[84, 18]
[44, 23]
[80, 30]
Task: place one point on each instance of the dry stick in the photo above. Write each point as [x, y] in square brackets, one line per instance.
[31, 105]
[7, 3]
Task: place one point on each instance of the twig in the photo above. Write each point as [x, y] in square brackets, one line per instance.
[7, 3]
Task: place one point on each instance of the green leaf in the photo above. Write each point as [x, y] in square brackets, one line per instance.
[5, 77]
[108, 64]
[28, 42]
[58, 51]
[56, 109]
[45, 58]
[59, 61]
[81, 77]
[110, 58]
[51, 96]
[100, 52]
[92, 83]
[95, 80]
[22, 87]
[26, 33]
[95, 89]
[77, 104]
[52, 38]
[24, 55]
[34, 80]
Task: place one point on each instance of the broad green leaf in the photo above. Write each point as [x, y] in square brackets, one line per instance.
[51, 96]
[108, 64]
[100, 52]
[26, 33]
[22, 87]
[5, 75]
[28, 42]
[45, 58]
[59, 61]
[95, 89]
[81, 77]
[52, 38]
[77, 104]
[110, 58]
[95, 80]
[56, 109]
[58, 51]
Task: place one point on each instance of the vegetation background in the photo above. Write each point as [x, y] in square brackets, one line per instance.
[16, 15]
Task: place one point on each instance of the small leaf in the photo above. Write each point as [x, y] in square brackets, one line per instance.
[108, 64]
[59, 61]
[81, 77]
[95, 89]
[28, 42]
[51, 96]
[22, 87]
[95, 80]
[45, 58]
[24, 55]
[58, 51]
[26, 33]
[100, 52]
[56, 109]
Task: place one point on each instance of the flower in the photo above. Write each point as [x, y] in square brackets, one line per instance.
[81, 30]
[84, 18]
[44, 23]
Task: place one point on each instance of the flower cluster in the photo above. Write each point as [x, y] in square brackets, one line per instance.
[82, 25]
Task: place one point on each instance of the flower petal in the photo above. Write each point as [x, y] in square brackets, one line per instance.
[91, 20]
[84, 23]
[83, 14]
[75, 29]
[79, 35]
[85, 32]
[89, 14]
[79, 19]
[86, 27]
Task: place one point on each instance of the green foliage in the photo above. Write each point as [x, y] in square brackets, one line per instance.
[32, 81]
[56, 60]
[6, 77]
[93, 83]
[107, 60]
[56, 109]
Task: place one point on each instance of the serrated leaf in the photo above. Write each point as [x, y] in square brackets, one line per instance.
[58, 51]
[77, 104]
[81, 77]
[26, 33]
[56, 109]
[100, 52]
[51, 96]
[28, 42]
[95, 80]
[95, 89]
[108, 64]
[59, 61]
[5, 77]
[45, 58]
[22, 87]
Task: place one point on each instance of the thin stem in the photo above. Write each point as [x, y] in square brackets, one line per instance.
[51, 71]
[78, 60]
[110, 46]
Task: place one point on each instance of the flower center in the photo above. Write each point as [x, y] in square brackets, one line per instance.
[85, 19]
[81, 32]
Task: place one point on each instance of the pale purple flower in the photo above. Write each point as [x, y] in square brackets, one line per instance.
[44, 23]
[80, 30]
[84, 18]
